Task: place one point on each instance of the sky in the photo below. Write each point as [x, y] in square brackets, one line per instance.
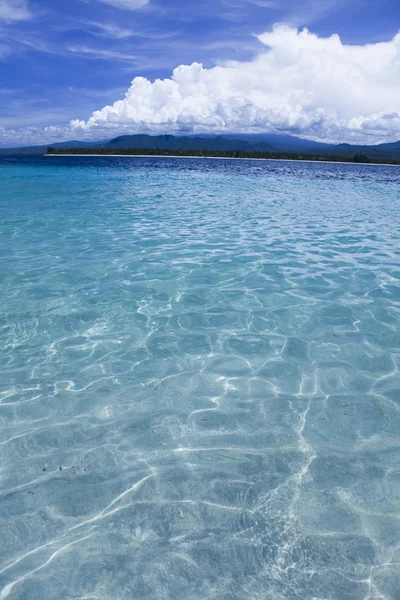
[327, 70]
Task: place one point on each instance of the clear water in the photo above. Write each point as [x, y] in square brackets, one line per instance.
[199, 393]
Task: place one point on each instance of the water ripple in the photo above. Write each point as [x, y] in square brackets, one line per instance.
[200, 380]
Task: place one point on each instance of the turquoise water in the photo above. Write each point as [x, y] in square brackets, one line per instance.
[199, 394]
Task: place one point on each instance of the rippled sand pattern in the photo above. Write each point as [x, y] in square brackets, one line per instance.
[199, 393]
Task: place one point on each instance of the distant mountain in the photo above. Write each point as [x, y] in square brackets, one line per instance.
[282, 142]
[267, 142]
[248, 142]
[171, 142]
[390, 150]
[37, 150]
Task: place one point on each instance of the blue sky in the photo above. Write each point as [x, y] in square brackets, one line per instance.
[60, 60]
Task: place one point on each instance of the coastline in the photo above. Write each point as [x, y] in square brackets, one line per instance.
[329, 162]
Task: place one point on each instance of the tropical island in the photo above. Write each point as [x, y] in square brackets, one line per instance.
[245, 146]
[204, 153]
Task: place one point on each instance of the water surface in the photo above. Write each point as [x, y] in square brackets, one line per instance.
[199, 393]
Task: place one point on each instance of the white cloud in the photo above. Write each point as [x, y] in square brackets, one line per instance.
[110, 30]
[126, 4]
[98, 53]
[14, 10]
[299, 83]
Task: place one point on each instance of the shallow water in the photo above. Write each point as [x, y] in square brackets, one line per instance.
[199, 393]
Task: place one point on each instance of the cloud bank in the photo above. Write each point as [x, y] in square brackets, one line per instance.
[299, 83]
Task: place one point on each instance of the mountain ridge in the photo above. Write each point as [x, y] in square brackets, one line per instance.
[230, 142]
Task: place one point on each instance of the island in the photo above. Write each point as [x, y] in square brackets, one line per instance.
[203, 153]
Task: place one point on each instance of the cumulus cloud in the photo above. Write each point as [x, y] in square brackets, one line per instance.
[126, 4]
[14, 10]
[298, 83]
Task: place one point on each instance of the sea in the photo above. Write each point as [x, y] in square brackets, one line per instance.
[199, 379]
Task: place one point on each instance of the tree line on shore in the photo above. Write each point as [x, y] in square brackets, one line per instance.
[357, 158]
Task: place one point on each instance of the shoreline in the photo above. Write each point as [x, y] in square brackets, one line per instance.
[330, 162]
